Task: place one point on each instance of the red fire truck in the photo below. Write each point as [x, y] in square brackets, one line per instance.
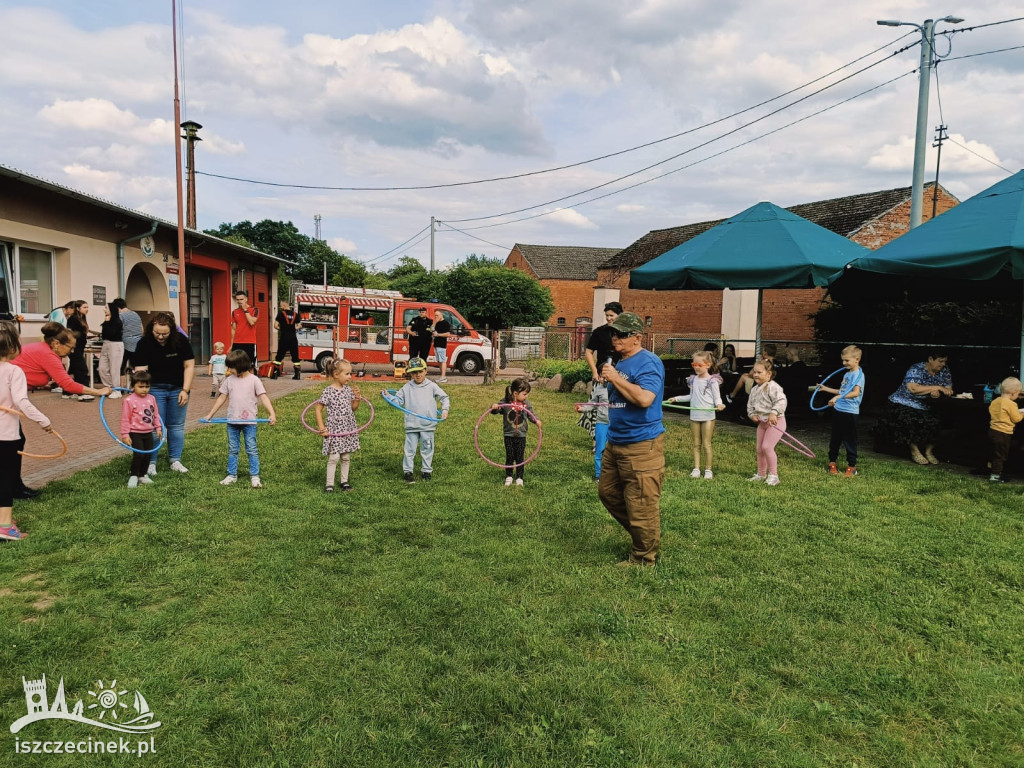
[366, 325]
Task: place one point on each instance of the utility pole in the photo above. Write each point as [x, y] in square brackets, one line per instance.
[182, 278]
[431, 243]
[927, 30]
[941, 137]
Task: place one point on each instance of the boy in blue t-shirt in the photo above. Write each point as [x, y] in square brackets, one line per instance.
[847, 408]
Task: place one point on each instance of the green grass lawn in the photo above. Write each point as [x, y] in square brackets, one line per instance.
[874, 621]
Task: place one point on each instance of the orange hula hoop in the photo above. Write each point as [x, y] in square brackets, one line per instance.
[63, 442]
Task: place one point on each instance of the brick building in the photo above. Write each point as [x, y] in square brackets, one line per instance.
[871, 219]
[569, 272]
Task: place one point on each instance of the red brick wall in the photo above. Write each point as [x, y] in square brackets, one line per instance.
[684, 312]
[572, 298]
[896, 222]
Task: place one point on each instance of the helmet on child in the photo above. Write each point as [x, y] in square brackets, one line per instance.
[416, 364]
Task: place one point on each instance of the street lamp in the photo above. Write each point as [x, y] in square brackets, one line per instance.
[924, 85]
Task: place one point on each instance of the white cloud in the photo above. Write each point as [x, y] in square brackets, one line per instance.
[571, 218]
[342, 245]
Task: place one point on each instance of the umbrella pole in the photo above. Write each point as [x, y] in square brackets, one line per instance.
[757, 331]
[1020, 370]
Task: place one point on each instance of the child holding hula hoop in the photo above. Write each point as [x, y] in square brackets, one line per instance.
[243, 393]
[13, 396]
[340, 438]
[515, 423]
[846, 403]
[418, 398]
[766, 407]
[705, 398]
[140, 418]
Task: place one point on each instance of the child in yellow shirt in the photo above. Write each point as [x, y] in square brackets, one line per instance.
[1005, 415]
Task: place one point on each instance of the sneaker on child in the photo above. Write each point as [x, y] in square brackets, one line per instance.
[177, 466]
[256, 482]
[756, 479]
[708, 474]
[410, 478]
[229, 480]
[772, 480]
[133, 482]
[151, 469]
[11, 533]
[145, 480]
[695, 472]
[519, 482]
[508, 481]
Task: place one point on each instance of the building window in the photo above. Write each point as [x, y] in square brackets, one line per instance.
[26, 275]
[561, 321]
[6, 280]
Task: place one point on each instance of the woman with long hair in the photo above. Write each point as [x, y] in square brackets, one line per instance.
[168, 357]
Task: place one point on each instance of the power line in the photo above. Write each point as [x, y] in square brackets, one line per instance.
[704, 159]
[456, 229]
[686, 151]
[942, 120]
[984, 53]
[576, 164]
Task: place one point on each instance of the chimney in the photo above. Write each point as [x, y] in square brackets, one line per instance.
[191, 136]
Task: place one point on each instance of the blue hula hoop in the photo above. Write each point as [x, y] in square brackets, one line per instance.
[132, 448]
[236, 422]
[388, 394]
[817, 389]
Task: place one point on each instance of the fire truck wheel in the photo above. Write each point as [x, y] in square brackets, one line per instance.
[470, 365]
[321, 361]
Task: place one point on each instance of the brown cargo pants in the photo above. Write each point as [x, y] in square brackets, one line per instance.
[630, 489]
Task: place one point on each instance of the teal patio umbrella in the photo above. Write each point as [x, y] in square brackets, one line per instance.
[763, 247]
[980, 239]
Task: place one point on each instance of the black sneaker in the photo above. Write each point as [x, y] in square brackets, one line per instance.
[410, 478]
[425, 477]
[346, 487]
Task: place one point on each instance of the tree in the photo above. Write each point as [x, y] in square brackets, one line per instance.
[412, 279]
[278, 238]
[497, 297]
[477, 262]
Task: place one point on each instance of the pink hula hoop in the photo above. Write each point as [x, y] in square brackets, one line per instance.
[524, 462]
[356, 431]
[791, 442]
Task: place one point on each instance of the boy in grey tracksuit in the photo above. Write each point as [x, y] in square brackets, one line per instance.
[420, 396]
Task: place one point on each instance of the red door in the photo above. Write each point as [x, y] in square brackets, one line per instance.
[259, 297]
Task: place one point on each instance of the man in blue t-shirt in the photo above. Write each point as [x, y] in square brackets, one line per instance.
[633, 465]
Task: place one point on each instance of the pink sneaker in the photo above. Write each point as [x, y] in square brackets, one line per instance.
[11, 533]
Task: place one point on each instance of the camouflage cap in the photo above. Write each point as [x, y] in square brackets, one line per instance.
[628, 323]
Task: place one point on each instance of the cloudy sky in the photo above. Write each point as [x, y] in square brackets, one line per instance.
[409, 93]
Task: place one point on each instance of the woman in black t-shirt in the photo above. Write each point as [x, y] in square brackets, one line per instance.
[168, 357]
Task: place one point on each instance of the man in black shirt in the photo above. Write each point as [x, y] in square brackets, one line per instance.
[421, 334]
[287, 323]
[442, 330]
[599, 348]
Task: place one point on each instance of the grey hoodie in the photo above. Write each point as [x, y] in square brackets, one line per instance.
[420, 398]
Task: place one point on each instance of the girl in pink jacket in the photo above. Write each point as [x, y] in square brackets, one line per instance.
[140, 419]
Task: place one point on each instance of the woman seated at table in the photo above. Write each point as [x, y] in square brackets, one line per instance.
[909, 419]
[41, 362]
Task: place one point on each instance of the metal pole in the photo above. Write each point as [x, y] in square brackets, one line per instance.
[431, 243]
[920, 140]
[182, 281]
